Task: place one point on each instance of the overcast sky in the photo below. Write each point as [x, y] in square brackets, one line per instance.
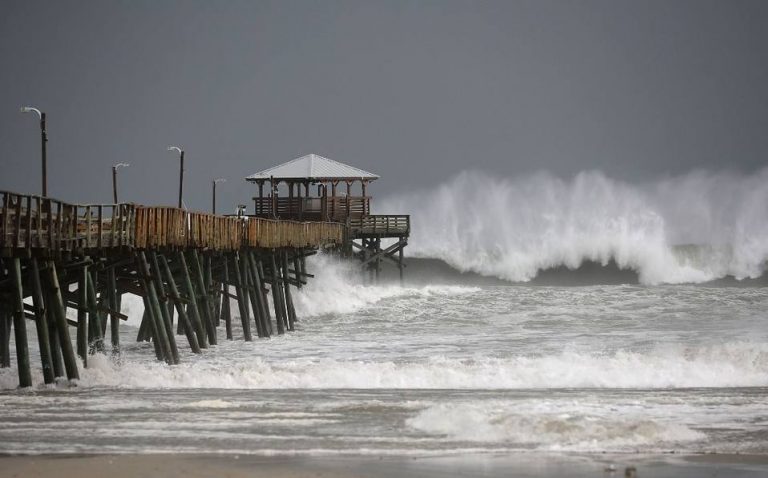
[414, 91]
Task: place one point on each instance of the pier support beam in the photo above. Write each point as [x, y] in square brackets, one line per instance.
[197, 323]
[160, 334]
[184, 322]
[20, 326]
[241, 289]
[5, 337]
[82, 316]
[165, 311]
[277, 297]
[62, 328]
[41, 323]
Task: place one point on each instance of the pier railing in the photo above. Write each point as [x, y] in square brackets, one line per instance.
[380, 225]
[313, 208]
[32, 222]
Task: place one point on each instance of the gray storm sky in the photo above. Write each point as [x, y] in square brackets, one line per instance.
[414, 91]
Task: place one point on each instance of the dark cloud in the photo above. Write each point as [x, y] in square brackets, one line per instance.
[414, 91]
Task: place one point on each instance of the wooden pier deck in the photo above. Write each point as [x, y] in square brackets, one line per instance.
[185, 265]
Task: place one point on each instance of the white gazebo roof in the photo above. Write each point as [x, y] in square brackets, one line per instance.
[312, 167]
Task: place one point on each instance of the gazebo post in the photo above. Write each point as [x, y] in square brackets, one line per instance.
[333, 198]
[349, 186]
[273, 187]
[290, 198]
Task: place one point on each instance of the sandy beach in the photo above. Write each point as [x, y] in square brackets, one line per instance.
[482, 465]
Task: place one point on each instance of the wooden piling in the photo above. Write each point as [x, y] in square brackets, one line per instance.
[95, 334]
[5, 337]
[264, 294]
[176, 297]
[114, 320]
[165, 314]
[287, 290]
[197, 324]
[143, 335]
[204, 305]
[82, 315]
[160, 334]
[242, 297]
[257, 298]
[226, 315]
[62, 328]
[53, 334]
[41, 323]
[20, 326]
[276, 302]
[251, 293]
[149, 326]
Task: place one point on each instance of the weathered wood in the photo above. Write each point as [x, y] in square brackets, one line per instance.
[258, 275]
[95, 334]
[176, 297]
[114, 321]
[277, 302]
[41, 323]
[226, 315]
[5, 338]
[242, 297]
[62, 328]
[20, 326]
[82, 317]
[159, 331]
[163, 303]
[204, 305]
[53, 334]
[287, 290]
[202, 338]
[252, 295]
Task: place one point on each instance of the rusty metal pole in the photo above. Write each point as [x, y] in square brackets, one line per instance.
[215, 181]
[181, 178]
[44, 153]
[43, 145]
[114, 179]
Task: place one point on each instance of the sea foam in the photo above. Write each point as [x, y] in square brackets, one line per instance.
[736, 364]
[513, 228]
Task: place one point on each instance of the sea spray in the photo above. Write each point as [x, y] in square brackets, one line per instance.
[513, 228]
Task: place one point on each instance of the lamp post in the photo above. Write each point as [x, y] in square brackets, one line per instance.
[181, 171]
[214, 182]
[114, 179]
[43, 141]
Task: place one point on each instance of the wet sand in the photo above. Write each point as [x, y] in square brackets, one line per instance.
[518, 465]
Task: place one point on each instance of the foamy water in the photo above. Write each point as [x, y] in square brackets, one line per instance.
[514, 227]
[430, 370]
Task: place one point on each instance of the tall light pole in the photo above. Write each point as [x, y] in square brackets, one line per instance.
[214, 182]
[114, 179]
[43, 141]
[181, 171]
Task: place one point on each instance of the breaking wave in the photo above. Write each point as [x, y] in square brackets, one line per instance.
[737, 364]
[693, 228]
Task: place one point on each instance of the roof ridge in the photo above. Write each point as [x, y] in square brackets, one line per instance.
[317, 167]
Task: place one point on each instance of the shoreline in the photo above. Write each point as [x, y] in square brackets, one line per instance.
[357, 466]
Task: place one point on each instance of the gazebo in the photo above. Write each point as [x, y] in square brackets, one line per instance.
[365, 231]
[329, 204]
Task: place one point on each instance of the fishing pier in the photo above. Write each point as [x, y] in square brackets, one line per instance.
[188, 267]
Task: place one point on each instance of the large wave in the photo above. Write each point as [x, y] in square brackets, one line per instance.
[692, 228]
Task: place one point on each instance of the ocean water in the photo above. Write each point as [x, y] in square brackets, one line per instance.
[431, 369]
[645, 355]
